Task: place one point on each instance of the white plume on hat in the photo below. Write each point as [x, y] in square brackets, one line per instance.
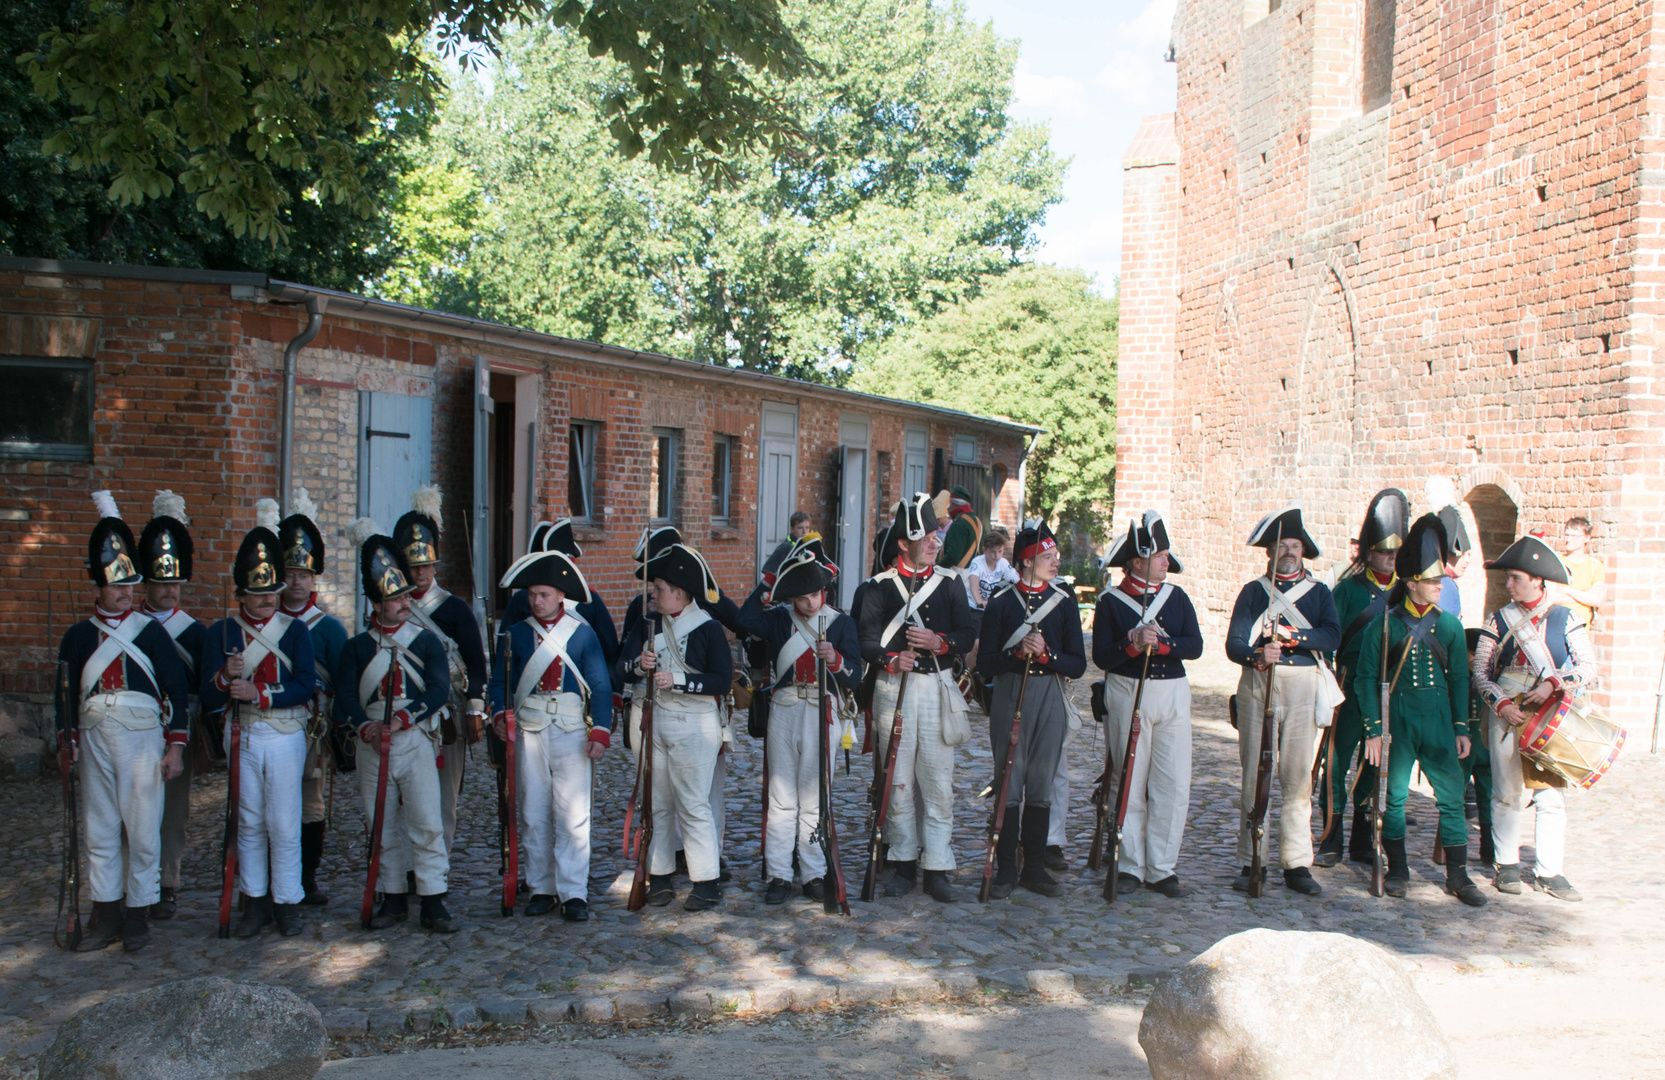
[167, 504]
[426, 500]
[304, 505]
[266, 514]
[1441, 493]
[106, 504]
[361, 530]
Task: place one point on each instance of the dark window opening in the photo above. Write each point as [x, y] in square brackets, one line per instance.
[722, 478]
[664, 475]
[581, 444]
[46, 412]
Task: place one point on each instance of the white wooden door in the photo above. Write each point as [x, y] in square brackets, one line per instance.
[777, 477]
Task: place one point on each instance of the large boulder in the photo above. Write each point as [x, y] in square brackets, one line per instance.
[198, 1029]
[1290, 1005]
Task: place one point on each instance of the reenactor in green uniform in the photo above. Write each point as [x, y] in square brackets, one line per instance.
[1478, 764]
[1425, 663]
[1359, 598]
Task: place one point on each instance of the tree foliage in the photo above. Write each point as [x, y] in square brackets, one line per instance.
[51, 210]
[908, 186]
[1037, 346]
[223, 100]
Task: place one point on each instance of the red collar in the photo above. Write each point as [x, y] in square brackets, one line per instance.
[1541, 608]
[420, 593]
[956, 508]
[153, 611]
[1032, 589]
[258, 624]
[376, 624]
[556, 619]
[1379, 582]
[1289, 579]
[1136, 587]
[110, 616]
[1419, 610]
[311, 599]
[921, 572]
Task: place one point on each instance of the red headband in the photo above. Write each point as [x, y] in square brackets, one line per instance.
[1043, 544]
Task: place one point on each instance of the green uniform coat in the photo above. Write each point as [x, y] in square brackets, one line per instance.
[1430, 708]
[1352, 596]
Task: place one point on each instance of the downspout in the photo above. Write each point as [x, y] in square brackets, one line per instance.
[315, 306]
[1023, 473]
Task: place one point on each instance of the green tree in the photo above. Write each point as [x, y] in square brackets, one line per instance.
[223, 99]
[50, 210]
[909, 185]
[1038, 345]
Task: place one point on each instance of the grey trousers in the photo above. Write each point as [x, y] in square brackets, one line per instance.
[176, 811]
[1041, 736]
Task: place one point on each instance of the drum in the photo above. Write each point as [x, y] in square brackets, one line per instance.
[1572, 739]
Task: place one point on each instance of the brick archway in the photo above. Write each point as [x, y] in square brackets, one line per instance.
[1494, 499]
[1326, 392]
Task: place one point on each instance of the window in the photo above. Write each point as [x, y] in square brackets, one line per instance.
[722, 478]
[664, 474]
[581, 445]
[46, 412]
[965, 449]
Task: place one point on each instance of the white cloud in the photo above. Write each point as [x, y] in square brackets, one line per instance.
[1046, 96]
[1135, 71]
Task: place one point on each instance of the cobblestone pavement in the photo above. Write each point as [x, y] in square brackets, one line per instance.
[746, 957]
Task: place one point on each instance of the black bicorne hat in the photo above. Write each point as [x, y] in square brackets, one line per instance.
[1425, 551]
[1283, 524]
[555, 569]
[1456, 532]
[915, 518]
[1532, 556]
[1386, 521]
[801, 574]
[1145, 537]
[165, 547]
[654, 540]
[258, 568]
[1034, 538]
[110, 548]
[682, 566]
[886, 546]
[383, 569]
[560, 538]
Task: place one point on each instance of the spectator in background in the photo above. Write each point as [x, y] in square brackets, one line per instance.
[990, 570]
[1587, 588]
[797, 528]
[1456, 533]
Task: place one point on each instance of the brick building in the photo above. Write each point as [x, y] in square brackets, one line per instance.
[1379, 242]
[137, 379]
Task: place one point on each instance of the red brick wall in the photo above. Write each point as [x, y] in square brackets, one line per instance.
[1456, 282]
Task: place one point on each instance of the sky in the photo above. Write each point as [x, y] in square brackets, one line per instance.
[1088, 69]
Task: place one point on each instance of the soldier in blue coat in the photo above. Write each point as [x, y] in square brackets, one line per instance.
[123, 714]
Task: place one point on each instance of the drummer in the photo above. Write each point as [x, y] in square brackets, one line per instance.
[1527, 650]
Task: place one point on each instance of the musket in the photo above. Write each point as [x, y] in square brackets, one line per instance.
[1263, 773]
[384, 750]
[833, 895]
[1101, 794]
[1378, 858]
[644, 772]
[1135, 722]
[1324, 761]
[998, 820]
[67, 934]
[233, 785]
[884, 775]
[511, 822]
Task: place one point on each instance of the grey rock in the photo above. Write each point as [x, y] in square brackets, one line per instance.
[552, 1010]
[1004, 980]
[386, 1022]
[635, 1006]
[596, 1010]
[502, 1011]
[1292, 1005]
[1096, 980]
[772, 997]
[26, 765]
[691, 1003]
[208, 1028]
[346, 1023]
[462, 1014]
[1145, 977]
[1051, 983]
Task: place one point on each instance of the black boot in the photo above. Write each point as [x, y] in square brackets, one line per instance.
[1329, 851]
[1457, 881]
[1488, 849]
[660, 891]
[939, 887]
[1398, 878]
[435, 917]
[103, 927]
[704, 895]
[255, 918]
[312, 853]
[1005, 856]
[166, 905]
[135, 928]
[778, 891]
[1359, 850]
[1055, 859]
[288, 919]
[1037, 820]
[902, 877]
[540, 904]
[395, 909]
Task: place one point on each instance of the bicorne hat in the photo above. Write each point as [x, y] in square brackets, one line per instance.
[1145, 536]
[682, 566]
[1283, 524]
[554, 569]
[800, 574]
[1033, 539]
[1531, 555]
[915, 518]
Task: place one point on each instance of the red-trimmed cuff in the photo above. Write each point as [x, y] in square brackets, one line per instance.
[1162, 648]
[942, 649]
[890, 662]
[221, 682]
[178, 738]
[362, 728]
[1556, 683]
[264, 690]
[402, 719]
[836, 663]
[618, 703]
[1132, 649]
[602, 736]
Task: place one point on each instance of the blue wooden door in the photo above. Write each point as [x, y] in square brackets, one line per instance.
[395, 453]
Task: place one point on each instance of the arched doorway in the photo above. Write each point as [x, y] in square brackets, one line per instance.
[1496, 518]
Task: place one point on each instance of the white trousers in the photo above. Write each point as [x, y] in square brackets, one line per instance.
[685, 746]
[1055, 836]
[1295, 744]
[923, 764]
[1510, 798]
[450, 786]
[270, 765]
[794, 779]
[552, 790]
[121, 790]
[413, 834]
[1159, 789]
